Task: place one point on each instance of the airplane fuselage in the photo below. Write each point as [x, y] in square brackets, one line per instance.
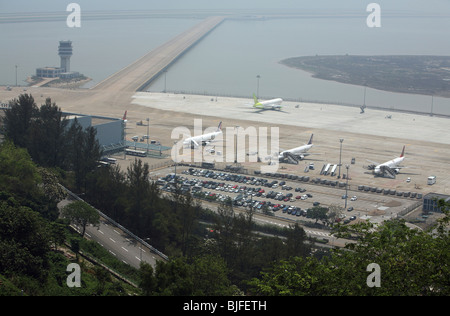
[272, 103]
[203, 139]
[392, 164]
[268, 104]
[298, 151]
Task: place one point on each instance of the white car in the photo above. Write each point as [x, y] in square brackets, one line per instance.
[354, 198]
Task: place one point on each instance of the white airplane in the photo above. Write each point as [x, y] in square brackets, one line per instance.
[274, 104]
[297, 153]
[389, 168]
[203, 140]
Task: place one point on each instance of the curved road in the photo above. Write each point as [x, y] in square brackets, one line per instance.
[121, 245]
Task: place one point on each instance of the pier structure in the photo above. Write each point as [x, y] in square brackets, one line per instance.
[140, 74]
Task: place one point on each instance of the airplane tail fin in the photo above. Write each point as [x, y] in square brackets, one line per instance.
[256, 100]
[125, 116]
[311, 139]
[403, 152]
[219, 128]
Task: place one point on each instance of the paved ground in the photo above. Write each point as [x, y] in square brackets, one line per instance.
[369, 136]
[366, 136]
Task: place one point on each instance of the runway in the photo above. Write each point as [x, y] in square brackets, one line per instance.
[318, 116]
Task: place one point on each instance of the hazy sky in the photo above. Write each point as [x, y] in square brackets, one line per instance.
[418, 6]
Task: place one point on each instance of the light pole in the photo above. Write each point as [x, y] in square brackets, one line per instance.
[16, 75]
[165, 80]
[346, 186]
[340, 157]
[431, 113]
[257, 86]
[364, 105]
[235, 144]
[176, 158]
[148, 136]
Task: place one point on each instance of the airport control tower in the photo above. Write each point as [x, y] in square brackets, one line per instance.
[65, 51]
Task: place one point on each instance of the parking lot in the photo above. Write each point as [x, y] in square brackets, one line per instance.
[287, 197]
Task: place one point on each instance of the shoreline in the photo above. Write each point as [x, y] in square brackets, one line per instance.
[371, 71]
[53, 83]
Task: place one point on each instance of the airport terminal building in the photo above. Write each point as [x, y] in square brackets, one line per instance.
[110, 131]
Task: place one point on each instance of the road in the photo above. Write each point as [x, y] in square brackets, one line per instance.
[135, 75]
[120, 244]
[124, 247]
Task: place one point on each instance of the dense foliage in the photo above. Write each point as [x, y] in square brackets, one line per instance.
[32, 260]
[411, 262]
[49, 138]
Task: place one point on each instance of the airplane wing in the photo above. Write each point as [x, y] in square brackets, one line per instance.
[193, 142]
[374, 162]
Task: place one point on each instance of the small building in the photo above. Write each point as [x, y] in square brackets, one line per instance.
[430, 202]
[49, 72]
[110, 131]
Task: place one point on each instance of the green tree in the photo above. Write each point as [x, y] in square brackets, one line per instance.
[198, 276]
[75, 142]
[296, 242]
[50, 185]
[138, 190]
[57, 233]
[18, 174]
[83, 152]
[108, 191]
[81, 214]
[147, 281]
[47, 136]
[187, 215]
[225, 233]
[24, 240]
[412, 263]
[210, 275]
[319, 213]
[18, 119]
[173, 278]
